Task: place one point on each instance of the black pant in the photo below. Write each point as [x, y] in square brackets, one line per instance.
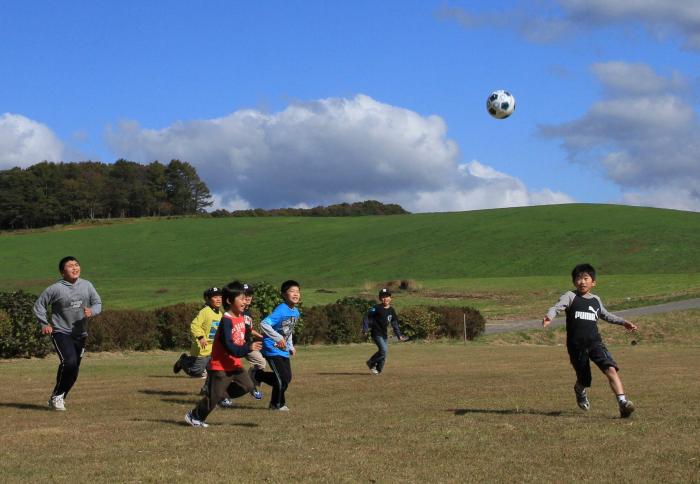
[278, 379]
[234, 383]
[70, 351]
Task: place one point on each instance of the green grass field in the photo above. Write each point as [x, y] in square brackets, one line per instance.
[487, 411]
[509, 263]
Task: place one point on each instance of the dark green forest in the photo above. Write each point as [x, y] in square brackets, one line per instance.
[57, 193]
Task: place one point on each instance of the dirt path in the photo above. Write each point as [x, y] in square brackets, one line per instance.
[508, 326]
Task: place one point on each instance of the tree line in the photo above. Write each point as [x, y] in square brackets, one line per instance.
[56, 193]
[48, 193]
[368, 207]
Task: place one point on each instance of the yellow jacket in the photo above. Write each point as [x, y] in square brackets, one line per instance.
[204, 325]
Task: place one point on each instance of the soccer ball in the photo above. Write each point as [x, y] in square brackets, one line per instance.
[500, 104]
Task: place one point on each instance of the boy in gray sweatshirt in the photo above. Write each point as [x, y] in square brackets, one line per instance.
[72, 301]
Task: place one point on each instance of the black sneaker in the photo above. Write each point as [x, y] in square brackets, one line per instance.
[582, 400]
[626, 409]
[178, 366]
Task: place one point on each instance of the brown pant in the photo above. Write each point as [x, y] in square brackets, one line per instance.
[222, 384]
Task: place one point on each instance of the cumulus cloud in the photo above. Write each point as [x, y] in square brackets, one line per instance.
[551, 20]
[328, 151]
[24, 142]
[644, 138]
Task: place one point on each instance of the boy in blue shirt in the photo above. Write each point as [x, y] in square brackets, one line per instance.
[278, 344]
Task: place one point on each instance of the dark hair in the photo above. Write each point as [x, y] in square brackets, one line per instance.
[287, 284]
[230, 292]
[65, 261]
[581, 269]
[248, 289]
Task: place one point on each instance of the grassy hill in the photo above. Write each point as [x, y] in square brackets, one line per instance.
[457, 257]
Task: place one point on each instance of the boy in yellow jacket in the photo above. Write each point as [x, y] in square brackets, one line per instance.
[202, 329]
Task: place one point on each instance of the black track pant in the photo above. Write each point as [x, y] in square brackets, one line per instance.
[278, 378]
[70, 351]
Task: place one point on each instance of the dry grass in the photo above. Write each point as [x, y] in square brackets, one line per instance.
[444, 412]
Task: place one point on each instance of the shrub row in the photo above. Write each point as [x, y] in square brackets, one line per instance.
[168, 328]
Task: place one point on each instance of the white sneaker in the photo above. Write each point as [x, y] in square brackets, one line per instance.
[194, 422]
[226, 403]
[56, 402]
[204, 375]
[283, 408]
[374, 371]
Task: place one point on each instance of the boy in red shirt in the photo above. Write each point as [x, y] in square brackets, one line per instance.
[227, 377]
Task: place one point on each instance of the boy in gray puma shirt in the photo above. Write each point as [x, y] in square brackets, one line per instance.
[583, 341]
[72, 301]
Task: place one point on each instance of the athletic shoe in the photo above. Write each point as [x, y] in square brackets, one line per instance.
[626, 409]
[56, 402]
[374, 371]
[204, 375]
[226, 403]
[283, 408]
[178, 365]
[582, 400]
[194, 422]
[256, 394]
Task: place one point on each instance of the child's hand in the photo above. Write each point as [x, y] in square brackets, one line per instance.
[282, 344]
[203, 343]
[630, 326]
[292, 351]
[546, 321]
[255, 346]
[403, 338]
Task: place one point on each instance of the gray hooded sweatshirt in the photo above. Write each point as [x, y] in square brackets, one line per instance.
[67, 302]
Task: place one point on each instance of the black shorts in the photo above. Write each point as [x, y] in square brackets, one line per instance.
[581, 356]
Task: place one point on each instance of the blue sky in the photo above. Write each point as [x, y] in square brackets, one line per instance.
[300, 103]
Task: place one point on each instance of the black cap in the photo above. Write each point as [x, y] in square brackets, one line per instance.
[384, 292]
[211, 292]
[248, 289]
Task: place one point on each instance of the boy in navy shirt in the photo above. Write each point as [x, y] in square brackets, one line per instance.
[583, 341]
[377, 320]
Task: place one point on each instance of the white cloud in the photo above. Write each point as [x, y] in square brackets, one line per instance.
[548, 21]
[328, 151]
[646, 139]
[24, 142]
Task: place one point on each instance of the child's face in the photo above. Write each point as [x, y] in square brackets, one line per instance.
[386, 300]
[292, 296]
[584, 283]
[214, 301]
[71, 271]
[238, 305]
[248, 300]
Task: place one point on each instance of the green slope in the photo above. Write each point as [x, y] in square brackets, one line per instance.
[153, 257]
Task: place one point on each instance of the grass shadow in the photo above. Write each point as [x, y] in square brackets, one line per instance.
[25, 406]
[165, 392]
[182, 423]
[508, 411]
[342, 373]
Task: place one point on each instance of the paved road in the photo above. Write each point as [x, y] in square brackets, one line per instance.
[508, 326]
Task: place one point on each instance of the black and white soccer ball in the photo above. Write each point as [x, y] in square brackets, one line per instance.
[500, 104]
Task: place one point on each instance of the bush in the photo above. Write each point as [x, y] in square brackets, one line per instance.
[20, 334]
[344, 323]
[123, 330]
[419, 322]
[314, 327]
[174, 325]
[452, 321]
[266, 298]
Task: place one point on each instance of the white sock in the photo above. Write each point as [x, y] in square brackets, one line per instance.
[621, 399]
